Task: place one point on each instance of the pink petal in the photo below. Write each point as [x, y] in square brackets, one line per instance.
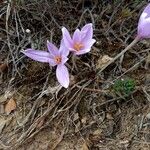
[37, 55]
[63, 50]
[62, 75]
[52, 62]
[77, 36]
[53, 50]
[87, 32]
[147, 10]
[144, 23]
[87, 47]
[86, 27]
[88, 44]
[84, 51]
[64, 60]
[67, 38]
[144, 30]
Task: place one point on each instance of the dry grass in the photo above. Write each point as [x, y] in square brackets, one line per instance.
[89, 114]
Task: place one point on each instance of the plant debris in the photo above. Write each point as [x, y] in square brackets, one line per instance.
[98, 110]
[10, 106]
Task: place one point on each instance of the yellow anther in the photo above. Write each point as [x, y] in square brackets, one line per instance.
[58, 59]
[78, 46]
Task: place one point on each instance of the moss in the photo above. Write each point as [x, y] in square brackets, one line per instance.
[124, 87]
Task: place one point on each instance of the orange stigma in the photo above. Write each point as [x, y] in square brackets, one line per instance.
[77, 46]
[58, 59]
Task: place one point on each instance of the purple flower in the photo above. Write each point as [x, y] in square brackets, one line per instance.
[81, 41]
[54, 57]
[144, 23]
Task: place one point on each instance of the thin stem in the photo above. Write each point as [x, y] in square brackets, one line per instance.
[120, 54]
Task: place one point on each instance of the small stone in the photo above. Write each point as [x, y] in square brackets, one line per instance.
[28, 31]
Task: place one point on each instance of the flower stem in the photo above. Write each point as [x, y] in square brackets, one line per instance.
[120, 54]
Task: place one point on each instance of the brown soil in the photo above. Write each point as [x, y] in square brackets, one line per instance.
[90, 114]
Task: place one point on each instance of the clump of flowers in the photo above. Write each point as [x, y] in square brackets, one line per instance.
[80, 43]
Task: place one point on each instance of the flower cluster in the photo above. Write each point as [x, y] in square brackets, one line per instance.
[80, 43]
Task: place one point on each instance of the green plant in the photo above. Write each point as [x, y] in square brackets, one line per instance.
[124, 87]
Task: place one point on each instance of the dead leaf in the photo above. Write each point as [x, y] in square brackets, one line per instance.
[84, 147]
[103, 61]
[10, 106]
[3, 67]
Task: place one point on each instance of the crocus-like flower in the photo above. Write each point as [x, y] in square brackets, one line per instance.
[54, 57]
[81, 41]
[144, 23]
